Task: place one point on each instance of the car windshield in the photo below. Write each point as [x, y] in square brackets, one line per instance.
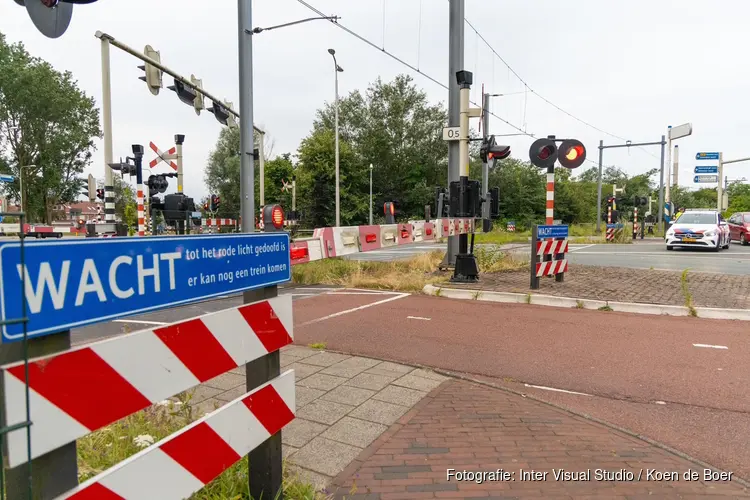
[697, 218]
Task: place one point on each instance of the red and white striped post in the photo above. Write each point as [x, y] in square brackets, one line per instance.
[141, 211]
[635, 222]
[550, 211]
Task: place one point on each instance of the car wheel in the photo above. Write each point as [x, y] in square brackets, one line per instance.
[743, 239]
[717, 247]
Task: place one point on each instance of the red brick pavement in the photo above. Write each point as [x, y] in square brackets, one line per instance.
[466, 426]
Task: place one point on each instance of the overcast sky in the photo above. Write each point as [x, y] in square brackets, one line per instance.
[630, 71]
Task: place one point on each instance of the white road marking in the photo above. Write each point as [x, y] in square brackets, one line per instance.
[571, 249]
[140, 322]
[353, 293]
[556, 390]
[664, 254]
[355, 309]
[660, 402]
[418, 317]
[711, 346]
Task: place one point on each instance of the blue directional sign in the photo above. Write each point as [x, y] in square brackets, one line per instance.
[551, 232]
[707, 170]
[74, 283]
[706, 156]
[705, 178]
[615, 226]
[6, 178]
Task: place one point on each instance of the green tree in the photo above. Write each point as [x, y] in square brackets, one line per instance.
[45, 121]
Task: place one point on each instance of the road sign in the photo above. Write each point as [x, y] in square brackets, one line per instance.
[551, 232]
[6, 178]
[706, 156]
[707, 170]
[615, 226]
[75, 283]
[706, 178]
[451, 133]
[680, 131]
[162, 156]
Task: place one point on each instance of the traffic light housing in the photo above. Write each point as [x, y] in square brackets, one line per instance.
[100, 194]
[390, 212]
[543, 153]
[188, 94]
[639, 201]
[490, 151]
[205, 207]
[494, 203]
[153, 76]
[572, 153]
[223, 114]
[273, 218]
[158, 183]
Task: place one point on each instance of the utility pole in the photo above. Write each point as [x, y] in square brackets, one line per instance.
[371, 194]
[264, 462]
[109, 189]
[455, 64]
[676, 165]
[485, 165]
[660, 208]
[179, 139]
[599, 189]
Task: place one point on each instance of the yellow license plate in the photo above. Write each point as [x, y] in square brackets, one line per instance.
[689, 240]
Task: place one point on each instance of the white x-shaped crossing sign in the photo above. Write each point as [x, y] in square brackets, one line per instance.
[162, 156]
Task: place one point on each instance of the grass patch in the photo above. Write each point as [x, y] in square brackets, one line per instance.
[318, 345]
[687, 295]
[582, 233]
[106, 447]
[605, 308]
[405, 275]
[579, 304]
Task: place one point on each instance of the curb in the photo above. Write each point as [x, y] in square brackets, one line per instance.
[569, 302]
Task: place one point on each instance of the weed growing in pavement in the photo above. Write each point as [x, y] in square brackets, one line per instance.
[687, 295]
[106, 447]
[476, 295]
[318, 345]
[438, 292]
[605, 307]
[528, 298]
[579, 304]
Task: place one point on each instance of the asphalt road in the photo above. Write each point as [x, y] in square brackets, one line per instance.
[643, 254]
[682, 381]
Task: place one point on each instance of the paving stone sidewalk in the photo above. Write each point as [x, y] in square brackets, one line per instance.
[344, 403]
[627, 285]
[470, 427]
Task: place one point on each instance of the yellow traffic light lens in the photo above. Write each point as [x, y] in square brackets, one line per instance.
[574, 152]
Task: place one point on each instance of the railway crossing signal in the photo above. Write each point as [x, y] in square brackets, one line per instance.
[490, 151]
[571, 154]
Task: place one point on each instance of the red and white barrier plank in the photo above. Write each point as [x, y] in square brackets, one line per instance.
[551, 267]
[217, 222]
[186, 461]
[551, 247]
[76, 392]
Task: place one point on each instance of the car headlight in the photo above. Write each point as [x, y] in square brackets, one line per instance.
[710, 232]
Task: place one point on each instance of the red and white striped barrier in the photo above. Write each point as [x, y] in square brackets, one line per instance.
[84, 389]
[217, 222]
[551, 247]
[186, 461]
[551, 267]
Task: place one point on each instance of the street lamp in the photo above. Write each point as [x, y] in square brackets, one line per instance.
[371, 194]
[337, 69]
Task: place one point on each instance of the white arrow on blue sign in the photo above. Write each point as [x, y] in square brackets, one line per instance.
[706, 178]
[707, 170]
[706, 156]
[6, 178]
[74, 283]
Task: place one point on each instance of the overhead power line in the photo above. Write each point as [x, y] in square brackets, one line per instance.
[534, 92]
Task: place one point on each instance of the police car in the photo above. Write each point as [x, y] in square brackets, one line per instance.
[699, 229]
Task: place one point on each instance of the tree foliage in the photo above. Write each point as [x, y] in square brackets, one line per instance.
[45, 121]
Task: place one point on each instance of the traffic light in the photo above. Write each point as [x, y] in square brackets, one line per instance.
[572, 153]
[273, 218]
[223, 114]
[188, 94]
[491, 151]
[51, 17]
[543, 153]
[153, 76]
[640, 201]
[389, 211]
[205, 207]
[158, 183]
[495, 202]
[100, 194]
[215, 202]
